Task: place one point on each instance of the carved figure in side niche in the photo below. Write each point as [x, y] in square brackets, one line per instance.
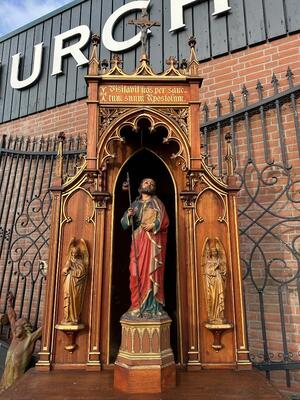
[21, 347]
[148, 251]
[215, 272]
[75, 278]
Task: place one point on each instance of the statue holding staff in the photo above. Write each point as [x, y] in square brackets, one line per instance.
[149, 220]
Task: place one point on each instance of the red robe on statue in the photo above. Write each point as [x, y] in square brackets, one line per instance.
[149, 259]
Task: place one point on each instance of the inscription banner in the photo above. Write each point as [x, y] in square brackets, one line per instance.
[143, 94]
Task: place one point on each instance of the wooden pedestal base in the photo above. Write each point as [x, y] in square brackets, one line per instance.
[144, 380]
[145, 363]
[71, 331]
[217, 330]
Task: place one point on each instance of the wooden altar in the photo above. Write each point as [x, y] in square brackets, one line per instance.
[147, 124]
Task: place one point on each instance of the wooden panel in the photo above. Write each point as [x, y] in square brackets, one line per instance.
[255, 21]
[129, 58]
[293, 15]
[156, 39]
[52, 79]
[203, 385]
[27, 71]
[106, 11]
[9, 90]
[236, 26]
[44, 76]
[201, 30]
[72, 69]
[118, 33]
[79, 207]
[61, 79]
[170, 39]
[119, 27]
[95, 23]
[218, 33]
[1, 78]
[17, 93]
[85, 19]
[211, 208]
[4, 75]
[275, 20]
[185, 34]
[33, 91]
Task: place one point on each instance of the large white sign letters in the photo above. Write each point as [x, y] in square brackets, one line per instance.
[107, 34]
[75, 49]
[83, 33]
[36, 69]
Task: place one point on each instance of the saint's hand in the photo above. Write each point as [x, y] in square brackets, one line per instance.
[148, 227]
[130, 212]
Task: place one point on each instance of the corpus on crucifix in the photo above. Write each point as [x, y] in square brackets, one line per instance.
[144, 24]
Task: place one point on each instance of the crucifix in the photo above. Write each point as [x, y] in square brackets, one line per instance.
[144, 24]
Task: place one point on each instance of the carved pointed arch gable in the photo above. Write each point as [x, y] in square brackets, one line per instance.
[113, 122]
[157, 156]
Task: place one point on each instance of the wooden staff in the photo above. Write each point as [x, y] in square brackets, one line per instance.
[126, 186]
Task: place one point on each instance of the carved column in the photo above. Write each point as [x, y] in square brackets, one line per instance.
[93, 105]
[242, 352]
[189, 198]
[101, 200]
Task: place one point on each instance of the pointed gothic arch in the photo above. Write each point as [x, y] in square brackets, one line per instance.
[151, 165]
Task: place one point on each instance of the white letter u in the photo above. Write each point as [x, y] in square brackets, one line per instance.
[36, 69]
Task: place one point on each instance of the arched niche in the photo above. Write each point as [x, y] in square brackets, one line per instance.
[143, 163]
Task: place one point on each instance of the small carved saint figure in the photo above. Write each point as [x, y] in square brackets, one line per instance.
[75, 275]
[21, 347]
[215, 272]
[148, 251]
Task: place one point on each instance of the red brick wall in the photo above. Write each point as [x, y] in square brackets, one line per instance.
[69, 118]
[224, 74]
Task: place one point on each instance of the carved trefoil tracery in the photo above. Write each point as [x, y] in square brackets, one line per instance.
[131, 118]
[107, 116]
[179, 115]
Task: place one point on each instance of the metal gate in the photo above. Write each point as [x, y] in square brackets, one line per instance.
[26, 170]
[265, 138]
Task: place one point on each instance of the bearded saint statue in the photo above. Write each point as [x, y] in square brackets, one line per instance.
[148, 251]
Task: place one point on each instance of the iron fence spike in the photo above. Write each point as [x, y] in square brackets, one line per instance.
[259, 88]
[275, 82]
[289, 75]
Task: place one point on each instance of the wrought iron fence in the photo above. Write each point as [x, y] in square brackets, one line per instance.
[266, 147]
[26, 166]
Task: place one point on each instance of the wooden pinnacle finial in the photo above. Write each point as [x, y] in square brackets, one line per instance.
[172, 62]
[94, 60]
[192, 43]
[59, 156]
[229, 155]
[116, 61]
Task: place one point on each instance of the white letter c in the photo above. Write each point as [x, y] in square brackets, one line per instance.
[107, 34]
